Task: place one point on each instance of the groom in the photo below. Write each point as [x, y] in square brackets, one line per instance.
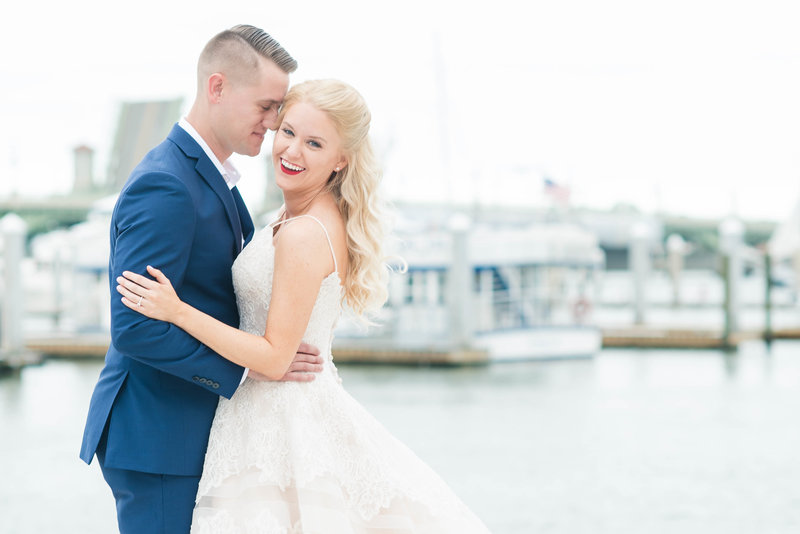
[152, 408]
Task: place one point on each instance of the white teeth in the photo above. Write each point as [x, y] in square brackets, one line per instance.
[290, 166]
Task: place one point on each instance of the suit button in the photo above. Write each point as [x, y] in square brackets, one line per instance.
[196, 378]
[215, 385]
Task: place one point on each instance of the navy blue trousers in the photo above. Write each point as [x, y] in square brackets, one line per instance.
[149, 503]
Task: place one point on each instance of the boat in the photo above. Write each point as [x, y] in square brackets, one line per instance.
[510, 290]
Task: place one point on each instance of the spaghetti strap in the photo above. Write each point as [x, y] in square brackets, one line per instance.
[327, 236]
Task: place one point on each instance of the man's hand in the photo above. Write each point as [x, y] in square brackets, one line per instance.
[306, 363]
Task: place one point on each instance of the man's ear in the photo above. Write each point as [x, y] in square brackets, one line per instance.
[214, 87]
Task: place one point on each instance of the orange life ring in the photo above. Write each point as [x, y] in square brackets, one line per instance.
[581, 308]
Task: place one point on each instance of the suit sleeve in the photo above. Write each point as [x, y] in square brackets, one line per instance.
[154, 225]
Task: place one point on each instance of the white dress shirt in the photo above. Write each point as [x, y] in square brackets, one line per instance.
[227, 170]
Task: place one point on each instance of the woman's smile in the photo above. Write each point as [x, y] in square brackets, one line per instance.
[290, 168]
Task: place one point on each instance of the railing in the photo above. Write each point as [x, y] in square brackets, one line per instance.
[501, 297]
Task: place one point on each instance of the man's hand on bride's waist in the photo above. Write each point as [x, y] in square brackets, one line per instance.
[304, 368]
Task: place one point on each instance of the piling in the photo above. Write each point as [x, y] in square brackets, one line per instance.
[460, 307]
[727, 307]
[731, 246]
[676, 249]
[768, 334]
[13, 353]
[640, 268]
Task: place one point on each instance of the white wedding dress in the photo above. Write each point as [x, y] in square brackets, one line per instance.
[288, 457]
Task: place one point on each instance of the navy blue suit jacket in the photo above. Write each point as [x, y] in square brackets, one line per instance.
[159, 388]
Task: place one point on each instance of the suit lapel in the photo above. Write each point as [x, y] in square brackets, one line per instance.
[214, 179]
[206, 169]
[248, 228]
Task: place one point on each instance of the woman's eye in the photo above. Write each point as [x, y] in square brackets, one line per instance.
[288, 132]
[314, 144]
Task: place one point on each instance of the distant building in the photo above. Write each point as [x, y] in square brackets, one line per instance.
[84, 169]
[140, 127]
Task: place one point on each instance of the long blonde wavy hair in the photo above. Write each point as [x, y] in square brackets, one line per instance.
[355, 189]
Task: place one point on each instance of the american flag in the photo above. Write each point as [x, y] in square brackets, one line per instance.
[558, 193]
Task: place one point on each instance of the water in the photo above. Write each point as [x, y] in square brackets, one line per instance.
[631, 441]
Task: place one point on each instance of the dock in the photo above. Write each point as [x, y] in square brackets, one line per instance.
[71, 346]
[344, 352]
[645, 336]
[785, 333]
[95, 346]
[362, 351]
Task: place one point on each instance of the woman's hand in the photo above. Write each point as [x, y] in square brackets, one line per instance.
[153, 298]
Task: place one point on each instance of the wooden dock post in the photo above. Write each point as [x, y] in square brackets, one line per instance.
[639, 261]
[727, 326]
[460, 307]
[13, 353]
[731, 244]
[676, 250]
[768, 297]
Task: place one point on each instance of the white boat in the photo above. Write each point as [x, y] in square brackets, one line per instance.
[516, 290]
[66, 276]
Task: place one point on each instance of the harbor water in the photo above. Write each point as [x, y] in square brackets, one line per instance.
[629, 441]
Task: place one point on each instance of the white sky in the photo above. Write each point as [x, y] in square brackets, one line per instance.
[691, 107]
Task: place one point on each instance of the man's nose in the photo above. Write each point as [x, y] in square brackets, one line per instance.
[270, 121]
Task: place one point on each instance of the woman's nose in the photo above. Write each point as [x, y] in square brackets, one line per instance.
[293, 147]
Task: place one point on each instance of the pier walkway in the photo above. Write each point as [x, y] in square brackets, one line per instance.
[95, 346]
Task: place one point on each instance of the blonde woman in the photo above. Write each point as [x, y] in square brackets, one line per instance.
[306, 457]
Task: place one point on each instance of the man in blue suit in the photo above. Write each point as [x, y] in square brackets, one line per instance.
[151, 411]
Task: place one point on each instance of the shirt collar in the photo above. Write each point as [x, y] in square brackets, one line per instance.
[227, 170]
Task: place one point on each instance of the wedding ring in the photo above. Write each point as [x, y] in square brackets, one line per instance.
[140, 301]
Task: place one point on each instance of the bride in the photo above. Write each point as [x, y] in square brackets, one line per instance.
[290, 457]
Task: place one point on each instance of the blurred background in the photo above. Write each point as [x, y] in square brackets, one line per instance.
[598, 202]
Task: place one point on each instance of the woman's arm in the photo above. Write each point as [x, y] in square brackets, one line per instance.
[302, 261]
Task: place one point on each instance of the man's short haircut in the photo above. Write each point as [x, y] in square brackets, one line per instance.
[235, 52]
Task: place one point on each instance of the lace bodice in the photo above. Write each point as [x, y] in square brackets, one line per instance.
[252, 281]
